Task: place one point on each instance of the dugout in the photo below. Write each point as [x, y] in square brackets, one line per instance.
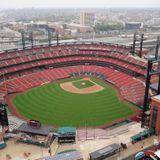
[34, 130]
[35, 133]
[105, 152]
[66, 135]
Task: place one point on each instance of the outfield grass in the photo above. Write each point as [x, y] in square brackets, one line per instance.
[52, 105]
[81, 84]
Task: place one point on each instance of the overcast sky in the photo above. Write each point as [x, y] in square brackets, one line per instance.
[5, 4]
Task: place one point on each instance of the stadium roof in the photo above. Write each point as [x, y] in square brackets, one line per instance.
[67, 131]
[73, 155]
[43, 130]
[105, 152]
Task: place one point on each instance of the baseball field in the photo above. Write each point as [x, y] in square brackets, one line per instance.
[73, 102]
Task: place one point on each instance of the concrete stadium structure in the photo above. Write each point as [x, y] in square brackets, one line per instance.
[25, 69]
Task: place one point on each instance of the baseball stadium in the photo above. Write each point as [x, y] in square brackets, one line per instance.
[82, 85]
[74, 84]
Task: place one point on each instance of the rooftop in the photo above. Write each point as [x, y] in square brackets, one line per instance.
[73, 155]
[43, 130]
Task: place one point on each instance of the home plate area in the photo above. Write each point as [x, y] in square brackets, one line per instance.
[82, 86]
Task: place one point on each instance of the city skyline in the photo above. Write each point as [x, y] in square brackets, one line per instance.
[16, 4]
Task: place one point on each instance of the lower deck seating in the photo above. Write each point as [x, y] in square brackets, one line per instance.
[133, 93]
[130, 88]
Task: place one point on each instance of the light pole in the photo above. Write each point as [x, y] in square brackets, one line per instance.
[94, 32]
[49, 150]
[49, 37]
[57, 37]
[23, 39]
[31, 39]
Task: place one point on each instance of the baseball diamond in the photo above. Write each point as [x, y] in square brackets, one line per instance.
[52, 104]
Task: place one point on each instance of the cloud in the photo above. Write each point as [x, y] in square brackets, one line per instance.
[80, 3]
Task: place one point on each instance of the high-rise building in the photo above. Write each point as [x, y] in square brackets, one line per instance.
[87, 18]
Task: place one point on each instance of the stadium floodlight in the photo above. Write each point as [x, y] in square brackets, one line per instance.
[31, 39]
[49, 37]
[141, 45]
[134, 43]
[157, 47]
[150, 72]
[57, 36]
[23, 39]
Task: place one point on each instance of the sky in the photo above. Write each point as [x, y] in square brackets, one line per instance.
[7, 4]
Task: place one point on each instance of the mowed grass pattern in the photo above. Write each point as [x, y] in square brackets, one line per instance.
[52, 105]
